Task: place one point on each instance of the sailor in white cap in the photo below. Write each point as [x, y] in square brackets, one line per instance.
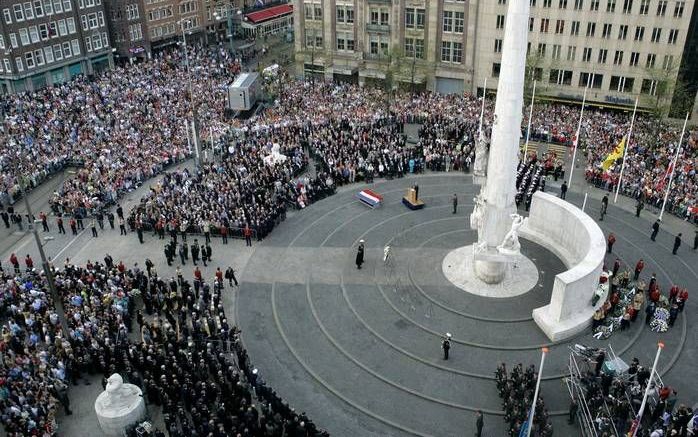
[446, 344]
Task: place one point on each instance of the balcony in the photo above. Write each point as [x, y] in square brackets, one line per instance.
[375, 56]
[381, 2]
[381, 28]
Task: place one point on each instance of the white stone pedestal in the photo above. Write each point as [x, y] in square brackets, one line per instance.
[119, 406]
[520, 274]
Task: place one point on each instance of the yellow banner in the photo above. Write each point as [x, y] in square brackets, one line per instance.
[613, 156]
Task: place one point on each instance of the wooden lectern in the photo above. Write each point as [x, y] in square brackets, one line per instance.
[411, 201]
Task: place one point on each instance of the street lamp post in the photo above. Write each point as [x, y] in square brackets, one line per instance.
[195, 139]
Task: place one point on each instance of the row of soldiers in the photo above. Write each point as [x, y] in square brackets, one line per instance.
[203, 252]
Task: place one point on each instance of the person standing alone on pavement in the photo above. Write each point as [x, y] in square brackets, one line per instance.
[655, 230]
[446, 345]
[604, 206]
[563, 190]
[455, 203]
[360, 255]
[695, 241]
[677, 243]
[479, 423]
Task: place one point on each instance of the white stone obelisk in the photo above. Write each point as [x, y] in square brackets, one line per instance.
[496, 200]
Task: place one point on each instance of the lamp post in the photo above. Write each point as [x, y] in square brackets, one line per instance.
[191, 94]
[229, 16]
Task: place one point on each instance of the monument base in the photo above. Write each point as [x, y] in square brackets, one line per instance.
[520, 276]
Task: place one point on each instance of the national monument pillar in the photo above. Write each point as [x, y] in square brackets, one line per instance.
[492, 216]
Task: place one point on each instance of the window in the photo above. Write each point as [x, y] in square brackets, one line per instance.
[678, 9]
[57, 53]
[57, 8]
[13, 41]
[39, 57]
[623, 32]
[644, 7]
[29, 59]
[586, 55]
[541, 49]
[67, 53]
[656, 34]
[661, 8]
[634, 59]
[627, 6]
[571, 53]
[668, 62]
[48, 10]
[313, 11]
[544, 23]
[594, 5]
[591, 29]
[83, 22]
[39, 9]
[135, 32]
[75, 44]
[651, 59]
[28, 10]
[451, 52]
[8, 67]
[560, 77]
[100, 17]
[590, 80]
[345, 41]
[557, 49]
[496, 68]
[62, 28]
[34, 34]
[578, 4]
[414, 48]
[649, 87]
[24, 36]
[448, 21]
[531, 22]
[574, 31]
[621, 84]
[618, 58]
[70, 22]
[43, 31]
[498, 46]
[48, 54]
[500, 21]
[459, 22]
[88, 44]
[611, 6]
[2, 41]
[19, 15]
[559, 26]
[132, 11]
[7, 15]
[92, 21]
[547, 3]
[563, 4]
[673, 36]
[53, 29]
[639, 33]
[20, 66]
[606, 30]
[603, 53]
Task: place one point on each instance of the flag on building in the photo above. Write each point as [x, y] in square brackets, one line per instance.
[616, 154]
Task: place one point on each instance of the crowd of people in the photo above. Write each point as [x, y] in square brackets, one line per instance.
[170, 337]
[516, 388]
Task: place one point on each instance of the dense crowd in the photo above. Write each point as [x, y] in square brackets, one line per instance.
[119, 128]
[184, 354]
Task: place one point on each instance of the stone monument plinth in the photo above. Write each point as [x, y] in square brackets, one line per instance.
[119, 406]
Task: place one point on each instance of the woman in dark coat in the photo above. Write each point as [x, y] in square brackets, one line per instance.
[360, 255]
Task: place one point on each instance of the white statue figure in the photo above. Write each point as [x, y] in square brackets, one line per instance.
[386, 254]
[118, 394]
[479, 247]
[477, 214]
[480, 165]
[276, 156]
[510, 245]
[119, 406]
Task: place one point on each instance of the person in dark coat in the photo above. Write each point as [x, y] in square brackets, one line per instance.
[677, 243]
[455, 203]
[479, 423]
[360, 255]
[230, 276]
[446, 345]
[655, 230]
[563, 190]
[695, 241]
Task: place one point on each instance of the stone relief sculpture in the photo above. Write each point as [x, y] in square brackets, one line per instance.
[476, 216]
[510, 245]
[481, 155]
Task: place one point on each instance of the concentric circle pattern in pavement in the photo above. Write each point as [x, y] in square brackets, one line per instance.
[359, 350]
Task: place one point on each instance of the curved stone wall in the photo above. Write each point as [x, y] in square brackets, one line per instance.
[578, 241]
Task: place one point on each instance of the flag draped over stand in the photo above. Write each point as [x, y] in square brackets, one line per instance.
[614, 155]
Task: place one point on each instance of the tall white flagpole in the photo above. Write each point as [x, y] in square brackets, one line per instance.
[579, 130]
[535, 394]
[673, 167]
[625, 152]
[530, 118]
[638, 419]
[482, 109]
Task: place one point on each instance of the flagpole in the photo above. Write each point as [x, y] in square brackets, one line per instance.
[579, 130]
[673, 167]
[638, 419]
[625, 152]
[535, 393]
[482, 109]
[530, 117]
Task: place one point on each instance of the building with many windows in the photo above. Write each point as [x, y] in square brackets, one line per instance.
[46, 42]
[621, 49]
